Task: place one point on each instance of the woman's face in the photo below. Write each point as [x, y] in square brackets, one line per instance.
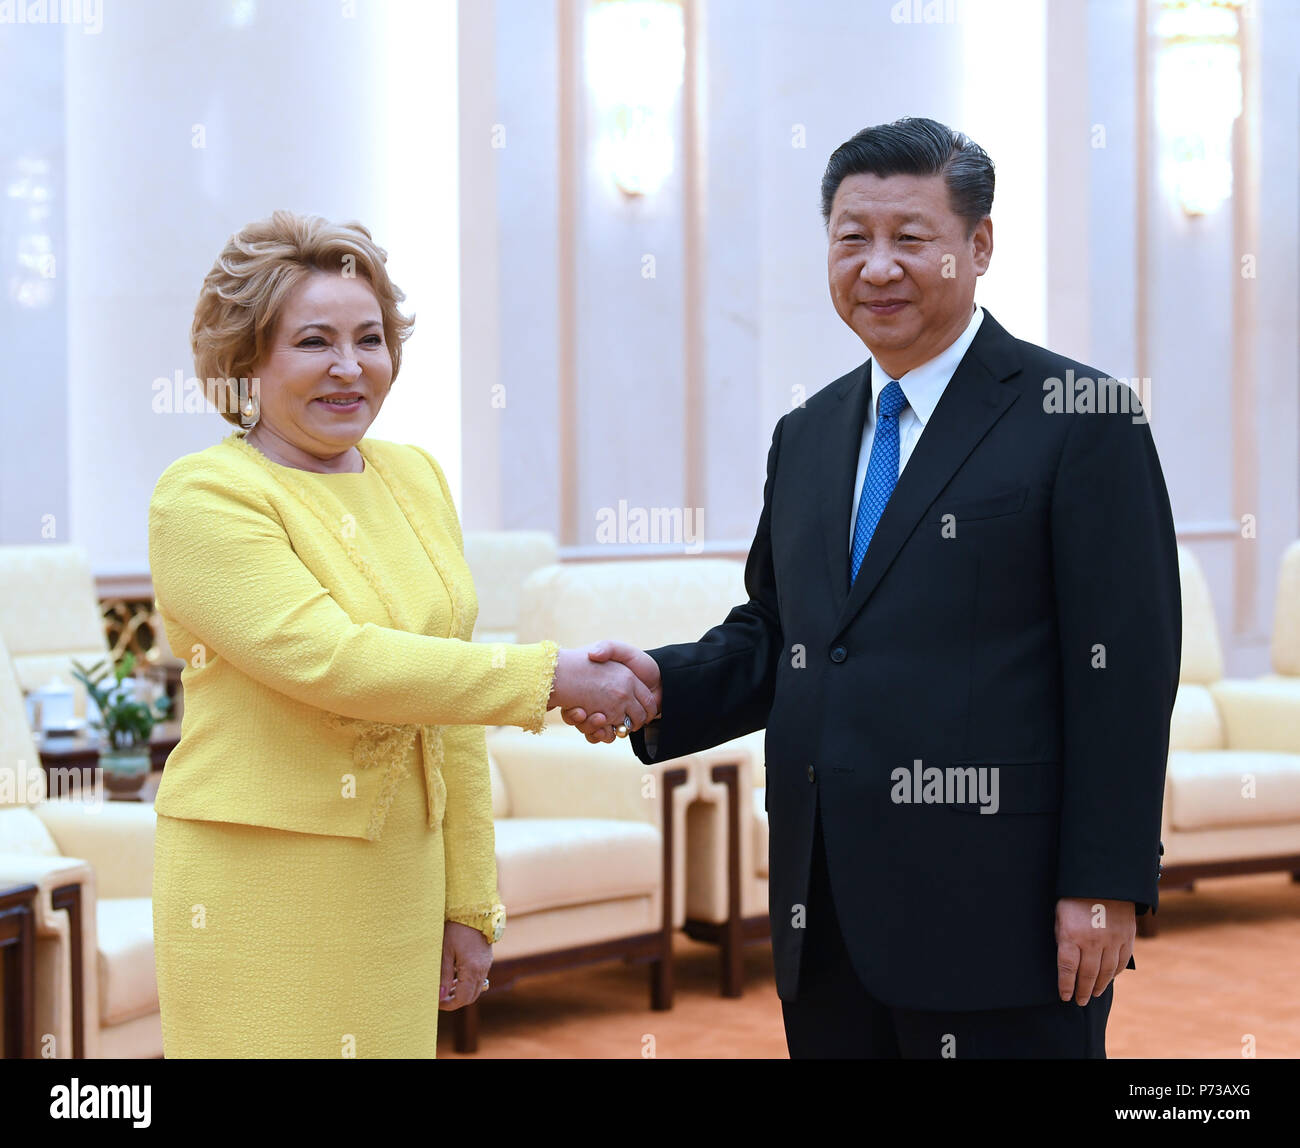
[328, 344]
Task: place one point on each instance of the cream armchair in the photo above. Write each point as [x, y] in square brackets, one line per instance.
[589, 861]
[1232, 790]
[96, 995]
[49, 615]
[1286, 620]
[726, 849]
[500, 561]
[654, 603]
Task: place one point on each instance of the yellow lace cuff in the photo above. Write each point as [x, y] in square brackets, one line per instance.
[551, 654]
[490, 920]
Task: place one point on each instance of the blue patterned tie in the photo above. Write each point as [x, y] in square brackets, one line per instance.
[882, 474]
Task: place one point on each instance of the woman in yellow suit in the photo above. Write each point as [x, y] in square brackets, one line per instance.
[325, 878]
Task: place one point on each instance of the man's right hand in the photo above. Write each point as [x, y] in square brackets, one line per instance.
[599, 724]
[597, 681]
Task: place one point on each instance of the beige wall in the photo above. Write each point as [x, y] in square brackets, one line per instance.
[675, 385]
[582, 384]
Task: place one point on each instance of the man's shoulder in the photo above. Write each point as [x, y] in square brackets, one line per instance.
[1040, 363]
[826, 399]
[1063, 386]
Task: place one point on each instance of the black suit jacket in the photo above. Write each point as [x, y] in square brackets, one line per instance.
[1018, 608]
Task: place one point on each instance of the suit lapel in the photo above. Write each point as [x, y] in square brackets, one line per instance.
[974, 399]
[839, 465]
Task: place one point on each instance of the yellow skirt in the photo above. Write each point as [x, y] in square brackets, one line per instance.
[295, 945]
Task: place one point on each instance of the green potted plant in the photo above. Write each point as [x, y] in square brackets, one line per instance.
[126, 723]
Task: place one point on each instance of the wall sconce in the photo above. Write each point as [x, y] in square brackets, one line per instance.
[1198, 97]
[635, 55]
[28, 207]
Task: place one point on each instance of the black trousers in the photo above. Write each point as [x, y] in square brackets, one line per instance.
[835, 1016]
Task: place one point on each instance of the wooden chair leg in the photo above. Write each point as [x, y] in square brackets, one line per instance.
[69, 897]
[732, 937]
[661, 969]
[661, 984]
[464, 1028]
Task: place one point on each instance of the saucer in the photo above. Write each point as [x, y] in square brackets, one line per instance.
[65, 729]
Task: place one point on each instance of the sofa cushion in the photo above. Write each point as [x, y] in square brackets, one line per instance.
[1202, 659]
[647, 602]
[1195, 723]
[500, 560]
[21, 831]
[128, 984]
[22, 780]
[1262, 716]
[1286, 615]
[1233, 788]
[760, 833]
[547, 862]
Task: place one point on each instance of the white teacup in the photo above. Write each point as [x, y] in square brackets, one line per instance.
[52, 705]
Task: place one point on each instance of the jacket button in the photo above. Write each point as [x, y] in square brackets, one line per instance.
[812, 774]
[838, 654]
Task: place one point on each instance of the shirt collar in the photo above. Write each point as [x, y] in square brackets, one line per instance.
[923, 386]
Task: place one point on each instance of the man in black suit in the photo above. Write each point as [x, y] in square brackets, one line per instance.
[962, 636]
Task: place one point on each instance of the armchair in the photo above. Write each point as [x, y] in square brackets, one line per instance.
[1232, 789]
[653, 603]
[589, 861]
[49, 615]
[92, 863]
[500, 561]
[1286, 620]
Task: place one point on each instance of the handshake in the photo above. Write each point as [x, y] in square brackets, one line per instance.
[606, 690]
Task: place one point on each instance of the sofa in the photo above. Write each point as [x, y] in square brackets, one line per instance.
[1285, 649]
[501, 561]
[655, 602]
[1232, 789]
[589, 862]
[92, 862]
[50, 616]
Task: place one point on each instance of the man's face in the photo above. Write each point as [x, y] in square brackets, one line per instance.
[902, 269]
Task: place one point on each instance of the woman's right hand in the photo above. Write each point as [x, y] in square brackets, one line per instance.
[607, 687]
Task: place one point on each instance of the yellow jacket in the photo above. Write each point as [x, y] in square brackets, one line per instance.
[304, 693]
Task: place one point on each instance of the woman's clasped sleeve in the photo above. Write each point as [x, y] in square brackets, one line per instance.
[469, 833]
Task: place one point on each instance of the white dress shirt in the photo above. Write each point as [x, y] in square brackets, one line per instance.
[923, 386]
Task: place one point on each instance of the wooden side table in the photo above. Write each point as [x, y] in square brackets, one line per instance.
[81, 753]
[18, 948]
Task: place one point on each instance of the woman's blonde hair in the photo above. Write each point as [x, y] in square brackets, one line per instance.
[256, 272]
